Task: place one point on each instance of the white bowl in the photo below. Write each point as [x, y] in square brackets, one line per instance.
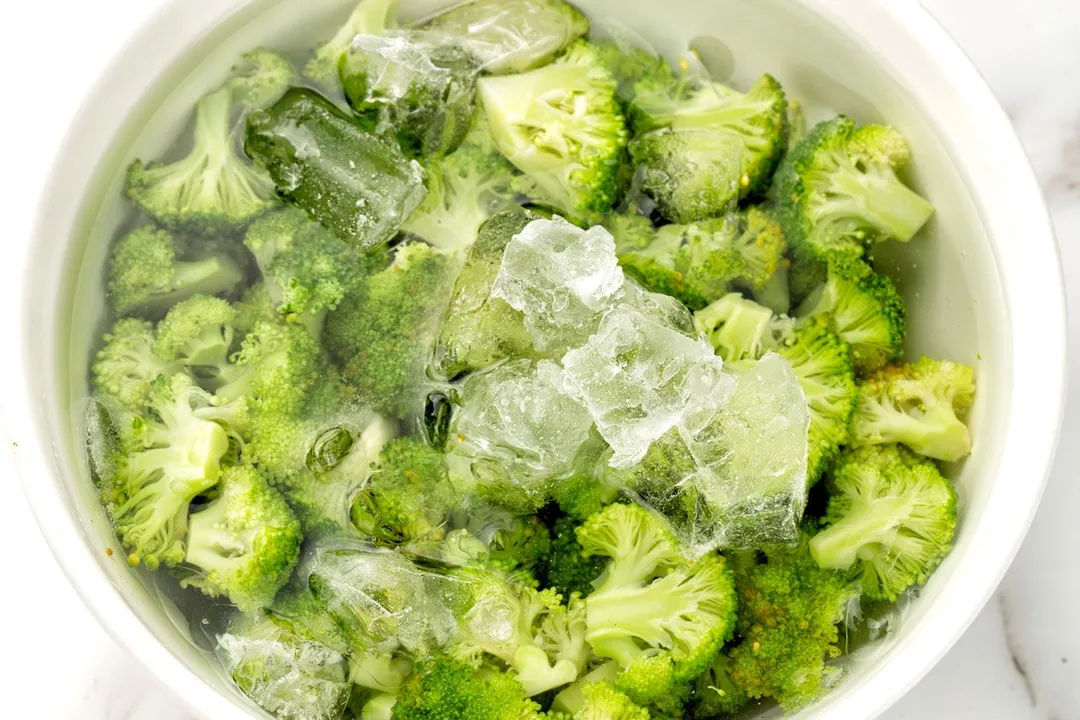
[984, 284]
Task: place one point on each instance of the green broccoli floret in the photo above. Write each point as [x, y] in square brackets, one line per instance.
[561, 125]
[511, 543]
[701, 147]
[920, 404]
[245, 543]
[383, 332]
[307, 269]
[512, 37]
[285, 674]
[445, 689]
[890, 520]
[866, 310]
[821, 361]
[126, 367]
[464, 189]
[568, 570]
[700, 262]
[407, 499]
[603, 702]
[146, 276]
[297, 611]
[370, 17]
[740, 329]
[715, 695]
[414, 86]
[649, 598]
[789, 609]
[260, 78]
[479, 329]
[212, 190]
[197, 334]
[169, 457]
[634, 68]
[838, 192]
[537, 637]
[254, 306]
[590, 486]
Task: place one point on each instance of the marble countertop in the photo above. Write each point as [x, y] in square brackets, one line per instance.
[1018, 661]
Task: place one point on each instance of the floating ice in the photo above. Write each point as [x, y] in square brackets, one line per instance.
[562, 278]
[397, 64]
[639, 378]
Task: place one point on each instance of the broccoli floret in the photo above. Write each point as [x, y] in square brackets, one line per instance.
[601, 701]
[254, 306]
[890, 520]
[480, 329]
[414, 86]
[212, 190]
[260, 78]
[445, 689]
[245, 543]
[511, 543]
[920, 404]
[634, 68]
[789, 609]
[285, 674]
[370, 17]
[740, 329]
[307, 269]
[170, 456]
[838, 192]
[512, 37]
[197, 334]
[700, 262]
[297, 611]
[384, 331]
[561, 125]
[146, 277]
[407, 499]
[538, 638]
[821, 361]
[589, 487]
[715, 695]
[702, 147]
[649, 598]
[280, 365]
[568, 570]
[126, 367]
[866, 310]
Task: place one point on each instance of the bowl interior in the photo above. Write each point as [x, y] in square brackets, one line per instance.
[949, 274]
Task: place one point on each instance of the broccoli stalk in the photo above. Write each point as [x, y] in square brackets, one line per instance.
[890, 520]
[210, 191]
[146, 277]
[245, 543]
[740, 329]
[369, 17]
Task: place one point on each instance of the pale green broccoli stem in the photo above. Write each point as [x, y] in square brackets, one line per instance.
[877, 196]
[652, 613]
[380, 707]
[737, 328]
[572, 699]
[212, 547]
[775, 293]
[370, 17]
[537, 674]
[872, 522]
[380, 672]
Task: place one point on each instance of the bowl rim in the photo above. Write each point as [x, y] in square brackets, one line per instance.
[1031, 276]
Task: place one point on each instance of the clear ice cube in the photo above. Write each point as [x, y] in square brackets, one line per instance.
[564, 279]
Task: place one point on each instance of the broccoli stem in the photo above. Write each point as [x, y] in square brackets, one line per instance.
[641, 612]
[879, 197]
[536, 673]
[875, 522]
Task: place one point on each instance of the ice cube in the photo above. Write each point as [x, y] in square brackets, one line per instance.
[639, 377]
[564, 279]
[517, 425]
[396, 64]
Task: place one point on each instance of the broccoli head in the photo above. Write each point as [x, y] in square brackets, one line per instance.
[603, 702]
[561, 125]
[634, 68]
[260, 78]
[890, 520]
[369, 17]
[920, 404]
[568, 569]
[245, 543]
[445, 689]
[212, 190]
[198, 334]
[146, 276]
[127, 365]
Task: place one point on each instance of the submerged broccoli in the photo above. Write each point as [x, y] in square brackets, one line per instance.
[568, 570]
[512, 37]
[260, 78]
[212, 190]
[445, 689]
[715, 694]
[561, 125]
[890, 520]
[649, 599]
[370, 17]
[700, 262]
[245, 543]
[700, 147]
[146, 276]
[384, 331]
[920, 405]
[865, 309]
[789, 609]
[198, 334]
[286, 674]
[634, 68]
[838, 193]
[126, 367]
[170, 456]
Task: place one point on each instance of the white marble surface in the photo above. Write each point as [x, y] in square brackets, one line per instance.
[1019, 661]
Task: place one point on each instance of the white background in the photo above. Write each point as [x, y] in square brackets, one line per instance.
[1019, 660]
